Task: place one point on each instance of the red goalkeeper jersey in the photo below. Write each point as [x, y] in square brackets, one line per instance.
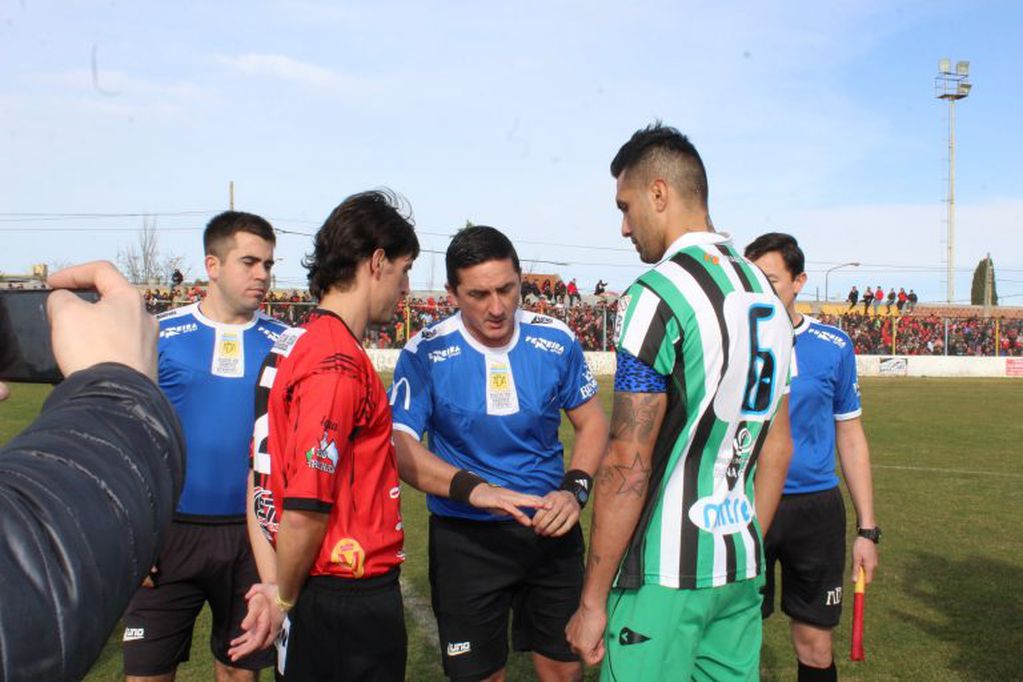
[322, 443]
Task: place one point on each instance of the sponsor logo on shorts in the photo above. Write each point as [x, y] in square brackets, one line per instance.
[628, 636]
[834, 597]
[722, 516]
[323, 457]
[459, 648]
[133, 634]
[394, 492]
[349, 554]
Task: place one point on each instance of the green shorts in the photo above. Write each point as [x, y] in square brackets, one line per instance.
[661, 633]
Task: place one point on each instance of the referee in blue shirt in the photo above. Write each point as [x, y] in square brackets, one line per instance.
[489, 384]
[808, 534]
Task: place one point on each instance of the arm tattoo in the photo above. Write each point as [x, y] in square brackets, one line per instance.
[634, 416]
[632, 478]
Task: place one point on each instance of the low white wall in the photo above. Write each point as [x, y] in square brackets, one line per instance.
[937, 366]
[603, 364]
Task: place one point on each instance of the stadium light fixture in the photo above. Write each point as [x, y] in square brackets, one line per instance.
[951, 86]
[827, 274]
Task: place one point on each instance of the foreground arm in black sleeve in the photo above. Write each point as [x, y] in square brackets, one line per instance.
[86, 495]
[88, 489]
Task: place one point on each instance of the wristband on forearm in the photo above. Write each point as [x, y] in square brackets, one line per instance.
[282, 604]
[462, 485]
[579, 483]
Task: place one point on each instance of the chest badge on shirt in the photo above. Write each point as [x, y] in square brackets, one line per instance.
[349, 554]
[228, 355]
[502, 398]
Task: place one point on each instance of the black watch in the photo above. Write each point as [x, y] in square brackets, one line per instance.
[872, 534]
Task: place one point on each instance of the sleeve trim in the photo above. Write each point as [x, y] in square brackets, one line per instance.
[846, 416]
[306, 504]
[406, 429]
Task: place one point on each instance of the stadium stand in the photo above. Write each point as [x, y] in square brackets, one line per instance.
[928, 330]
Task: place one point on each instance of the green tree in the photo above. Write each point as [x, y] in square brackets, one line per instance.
[980, 279]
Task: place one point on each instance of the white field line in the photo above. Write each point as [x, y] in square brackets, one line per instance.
[420, 610]
[971, 472]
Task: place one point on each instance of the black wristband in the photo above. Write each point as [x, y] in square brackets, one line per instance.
[462, 485]
[579, 483]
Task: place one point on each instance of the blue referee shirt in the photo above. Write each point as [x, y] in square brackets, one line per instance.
[208, 371]
[824, 390]
[493, 411]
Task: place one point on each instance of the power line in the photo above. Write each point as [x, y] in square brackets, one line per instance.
[95, 229]
[36, 217]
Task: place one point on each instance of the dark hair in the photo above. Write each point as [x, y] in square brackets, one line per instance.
[665, 151]
[478, 244]
[786, 246]
[360, 225]
[229, 223]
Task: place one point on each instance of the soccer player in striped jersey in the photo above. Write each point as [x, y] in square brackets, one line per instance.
[808, 536]
[700, 438]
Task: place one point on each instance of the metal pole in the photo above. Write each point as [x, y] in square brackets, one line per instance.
[950, 245]
[604, 315]
[231, 195]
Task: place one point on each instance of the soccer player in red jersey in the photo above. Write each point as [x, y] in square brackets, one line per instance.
[325, 518]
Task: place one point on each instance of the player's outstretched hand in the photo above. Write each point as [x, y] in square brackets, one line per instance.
[559, 516]
[865, 555]
[498, 500]
[585, 634]
[117, 328]
[261, 624]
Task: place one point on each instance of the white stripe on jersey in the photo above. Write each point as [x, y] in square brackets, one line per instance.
[642, 317]
[710, 338]
[724, 456]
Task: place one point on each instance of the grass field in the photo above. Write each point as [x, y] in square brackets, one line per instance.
[947, 602]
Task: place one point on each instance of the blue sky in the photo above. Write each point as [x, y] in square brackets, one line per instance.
[813, 118]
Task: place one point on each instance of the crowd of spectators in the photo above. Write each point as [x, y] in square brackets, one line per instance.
[593, 322]
[929, 334]
[874, 297]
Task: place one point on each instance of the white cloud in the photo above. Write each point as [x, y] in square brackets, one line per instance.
[287, 68]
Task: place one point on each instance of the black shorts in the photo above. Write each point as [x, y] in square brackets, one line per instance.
[345, 629]
[479, 570]
[807, 538]
[199, 563]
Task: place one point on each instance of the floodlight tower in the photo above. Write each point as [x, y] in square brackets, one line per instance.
[951, 85]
